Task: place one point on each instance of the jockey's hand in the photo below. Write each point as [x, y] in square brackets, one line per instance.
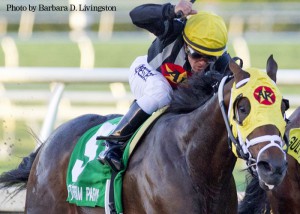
[185, 6]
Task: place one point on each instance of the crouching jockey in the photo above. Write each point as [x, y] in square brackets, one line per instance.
[181, 48]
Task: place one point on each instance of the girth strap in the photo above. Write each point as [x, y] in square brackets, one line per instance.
[110, 207]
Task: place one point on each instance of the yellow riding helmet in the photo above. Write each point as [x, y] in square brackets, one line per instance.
[206, 32]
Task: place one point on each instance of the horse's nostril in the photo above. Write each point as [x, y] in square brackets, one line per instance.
[265, 166]
[268, 168]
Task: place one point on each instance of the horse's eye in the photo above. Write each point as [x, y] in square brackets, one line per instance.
[242, 109]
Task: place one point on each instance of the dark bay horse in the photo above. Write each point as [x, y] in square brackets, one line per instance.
[183, 163]
[285, 198]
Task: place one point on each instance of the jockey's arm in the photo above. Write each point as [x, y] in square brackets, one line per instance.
[156, 18]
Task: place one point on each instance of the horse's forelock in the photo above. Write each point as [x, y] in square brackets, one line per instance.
[195, 93]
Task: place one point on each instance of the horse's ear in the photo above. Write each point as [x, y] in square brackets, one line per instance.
[272, 68]
[238, 72]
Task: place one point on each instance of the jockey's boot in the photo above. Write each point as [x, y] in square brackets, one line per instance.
[116, 142]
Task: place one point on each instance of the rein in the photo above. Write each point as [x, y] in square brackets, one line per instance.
[232, 139]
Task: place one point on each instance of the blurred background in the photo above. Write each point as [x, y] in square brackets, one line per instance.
[56, 65]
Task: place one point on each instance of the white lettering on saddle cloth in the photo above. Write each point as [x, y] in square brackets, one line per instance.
[92, 194]
[77, 193]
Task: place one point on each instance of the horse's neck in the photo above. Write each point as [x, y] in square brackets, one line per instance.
[208, 149]
[286, 196]
[294, 178]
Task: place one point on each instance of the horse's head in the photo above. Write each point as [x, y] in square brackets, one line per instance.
[257, 117]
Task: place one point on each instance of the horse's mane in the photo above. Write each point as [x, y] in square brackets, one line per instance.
[193, 94]
[255, 199]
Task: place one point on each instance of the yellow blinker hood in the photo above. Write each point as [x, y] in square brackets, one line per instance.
[265, 100]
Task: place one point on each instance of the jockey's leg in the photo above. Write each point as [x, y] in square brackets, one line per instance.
[152, 91]
[130, 122]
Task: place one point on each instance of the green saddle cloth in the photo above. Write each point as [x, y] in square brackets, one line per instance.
[86, 177]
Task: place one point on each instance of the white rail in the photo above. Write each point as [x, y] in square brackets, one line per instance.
[64, 75]
[59, 76]
[97, 75]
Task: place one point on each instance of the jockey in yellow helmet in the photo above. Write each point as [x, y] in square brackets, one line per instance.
[181, 48]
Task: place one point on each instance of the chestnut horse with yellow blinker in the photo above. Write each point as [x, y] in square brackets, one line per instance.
[183, 164]
[285, 198]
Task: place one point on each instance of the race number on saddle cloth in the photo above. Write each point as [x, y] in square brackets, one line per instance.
[265, 99]
[86, 178]
[294, 144]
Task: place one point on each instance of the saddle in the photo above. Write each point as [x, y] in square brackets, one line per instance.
[92, 184]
